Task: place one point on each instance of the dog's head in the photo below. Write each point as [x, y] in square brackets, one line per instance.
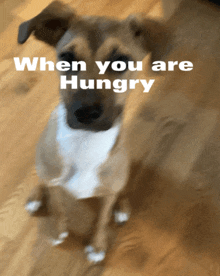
[90, 39]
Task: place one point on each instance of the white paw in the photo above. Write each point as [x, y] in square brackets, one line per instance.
[32, 206]
[60, 239]
[56, 242]
[63, 235]
[121, 217]
[55, 182]
[89, 249]
[94, 257]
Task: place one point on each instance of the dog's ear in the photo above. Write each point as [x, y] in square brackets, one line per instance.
[153, 36]
[48, 26]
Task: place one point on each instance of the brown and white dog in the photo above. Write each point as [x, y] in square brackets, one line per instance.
[172, 139]
[83, 130]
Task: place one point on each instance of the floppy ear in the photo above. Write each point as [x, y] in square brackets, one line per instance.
[48, 26]
[153, 36]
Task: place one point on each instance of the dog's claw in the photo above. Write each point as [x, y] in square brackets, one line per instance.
[60, 239]
[94, 257]
[89, 249]
[63, 235]
[121, 217]
[33, 206]
[56, 242]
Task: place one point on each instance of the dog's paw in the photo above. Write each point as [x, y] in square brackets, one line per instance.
[60, 239]
[33, 206]
[63, 235]
[121, 217]
[93, 256]
[55, 182]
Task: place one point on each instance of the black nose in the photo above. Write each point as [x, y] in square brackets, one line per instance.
[88, 114]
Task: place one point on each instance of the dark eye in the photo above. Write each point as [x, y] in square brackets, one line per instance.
[67, 56]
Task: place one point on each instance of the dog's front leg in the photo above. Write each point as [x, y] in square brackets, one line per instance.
[61, 179]
[97, 250]
[49, 202]
[58, 206]
[37, 200]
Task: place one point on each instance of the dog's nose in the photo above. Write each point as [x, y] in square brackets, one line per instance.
[88, 114]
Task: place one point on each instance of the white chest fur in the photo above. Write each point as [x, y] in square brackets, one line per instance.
[83, 152]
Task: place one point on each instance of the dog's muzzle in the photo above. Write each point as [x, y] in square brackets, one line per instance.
[89, 111]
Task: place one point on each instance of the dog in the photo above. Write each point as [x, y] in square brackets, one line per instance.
[77, 149]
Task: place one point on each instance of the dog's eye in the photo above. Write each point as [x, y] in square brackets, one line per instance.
[67, 56]
[123, 58]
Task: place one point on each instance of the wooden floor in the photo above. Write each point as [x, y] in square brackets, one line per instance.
[26, 101]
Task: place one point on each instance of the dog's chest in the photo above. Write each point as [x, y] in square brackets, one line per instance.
[82, 153]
